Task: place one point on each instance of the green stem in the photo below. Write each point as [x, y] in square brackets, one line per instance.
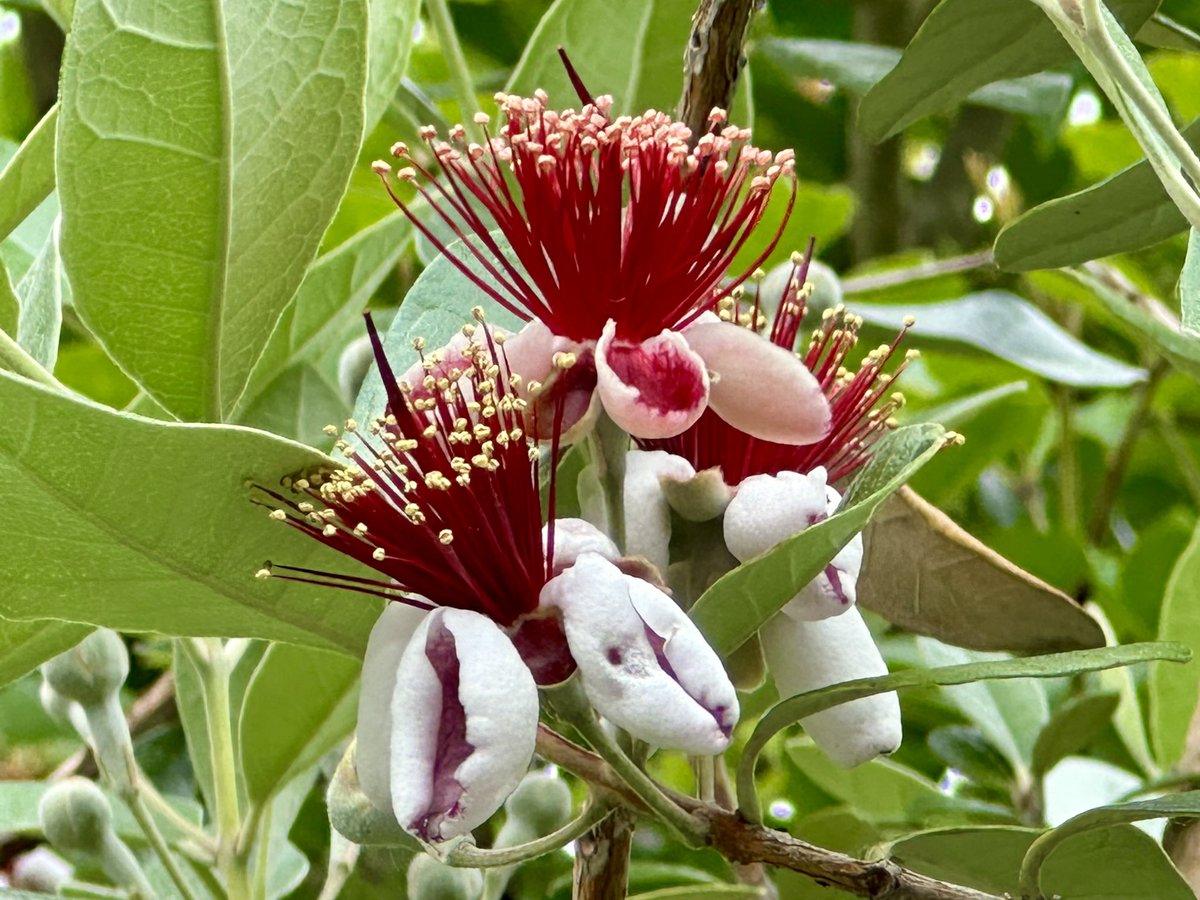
[609, 444]
[569, 701]
[137, 805]
[1068, 463]
[216, 671]
[464, 84]
[920, 272]
[14, 358]
[466, 856]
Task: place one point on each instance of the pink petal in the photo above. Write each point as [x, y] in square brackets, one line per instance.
[530, 354]
[653, 389]
[759, 387]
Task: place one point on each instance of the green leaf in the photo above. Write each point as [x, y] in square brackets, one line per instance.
[43, 293]
[965, 749]
[1186, 804]
[1072, 728]
[630, 49]
[822, 212]
[1173, 700]
[389, 43]
[1189, 286]
[284, 732]
[28, 178]
[202, 151]
[337, 288]
[1006, 326]
[1126, 212]
[148, 526]
[739, 603]
[193, 716]
[881, 790]
[858, 67]
[1163, 31]
[298, 404]
[985, 858]
[10, 304]
[926, 574]
[26, 645]
[964, 45]
[702, 892]
[1053, 665]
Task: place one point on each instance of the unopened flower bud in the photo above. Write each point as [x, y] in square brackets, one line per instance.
[354, 816]
[76, 817]
[62, 710]
[429, 879]
[826, 288]
[541, 802]
[92, 671]
[41, 869]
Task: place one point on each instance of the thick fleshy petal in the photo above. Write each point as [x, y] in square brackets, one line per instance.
[575, 536]
[391, 634]
[804, 656]
[464, 714]
[759, 387]
[653, 389]
[530, 354]
[647, 514]
[645, 666]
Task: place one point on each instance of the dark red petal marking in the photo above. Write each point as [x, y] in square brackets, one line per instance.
[666, 379]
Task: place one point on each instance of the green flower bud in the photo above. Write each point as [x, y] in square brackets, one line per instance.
[76, 817]
[90, 672]
[355, 817]
[541, 802]
[429, 879]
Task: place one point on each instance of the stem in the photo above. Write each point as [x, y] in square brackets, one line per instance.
[1169, 432]
[14, 358]
[464, 84]
[569, 701]
[466, 856]
[938, 267]
[137, 806]
[1068, 463]
[713, 60]
[601, 869]
[215, 671]
[343, 857]
[609, 444]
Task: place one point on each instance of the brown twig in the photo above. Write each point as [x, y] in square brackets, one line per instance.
[713, 59]
[602, 859]
[741, 842]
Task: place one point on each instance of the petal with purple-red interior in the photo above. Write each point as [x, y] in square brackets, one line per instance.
[644, 665]
[464, 715]
[653, 389]
[647, 514]
[758, 387]
[390, 635]
[805, 656]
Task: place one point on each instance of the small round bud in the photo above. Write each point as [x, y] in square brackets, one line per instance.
[429, 879]
[542, 802]
[92, 671]
[41, 869]
[76, 817]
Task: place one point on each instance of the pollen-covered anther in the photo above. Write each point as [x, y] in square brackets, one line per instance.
[330, 430]
[262, 574]
[278, 515]
[329, 530]
[437, 481]
[379, 554]
[360, 529]
[379, 167]
[446, 536]
[399, 149]
[563, 360]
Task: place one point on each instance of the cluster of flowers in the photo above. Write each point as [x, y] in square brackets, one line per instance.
[620, 233]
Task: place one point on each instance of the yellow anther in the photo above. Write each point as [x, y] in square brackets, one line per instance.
[378, 554]
[446, 536]
[262, 574]
[330, 430]
[278, 515]
[329, 530]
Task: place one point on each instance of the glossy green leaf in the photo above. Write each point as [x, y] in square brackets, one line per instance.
[1126, 212]
[964, 45]
[202, 151]
[881, 790]
[148, 526]
[1072, 728]
[858, 67]
[1006, 326]
[26, 645]
[43, 293]
[389, 43]
[337, 288]
[193, 717]
[1189, 287]
[985, 858]
[702, 892]
[1173, 699]
[299, 705]
[1163, 31]
[739, 603]
[28, 178]
[618, 48]
[1186, 804]
[923, 572]
[953, 412]
[821, 212]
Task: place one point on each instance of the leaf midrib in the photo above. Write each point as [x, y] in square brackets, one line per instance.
[216, 319]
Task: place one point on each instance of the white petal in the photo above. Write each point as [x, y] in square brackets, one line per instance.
[768, 509]
[647, 514]
[447, 781]
[804, 656]
[835, 590]
[609, 618]
[575, 536]
[391, 634]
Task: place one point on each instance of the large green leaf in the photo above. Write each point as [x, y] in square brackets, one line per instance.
[284, 731]
[924, 573]
[28, 178]
[858, 67]
[202, 151]
[43, 293]
[142, 525]
[298, 404]
[337, 287]
[1173, 699]
[1006, 326]
[631, 49]
[963, 45]
[10, 305]
[1099, 820]
[26, 645]
[1126, 212]
[391, 24]
[739, 603]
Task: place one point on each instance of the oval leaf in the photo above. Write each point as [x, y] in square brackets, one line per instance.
[1173, 700]
[28, 178]
[1072, 728]
[924, 573]
[202, 151]
[1006, 326]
